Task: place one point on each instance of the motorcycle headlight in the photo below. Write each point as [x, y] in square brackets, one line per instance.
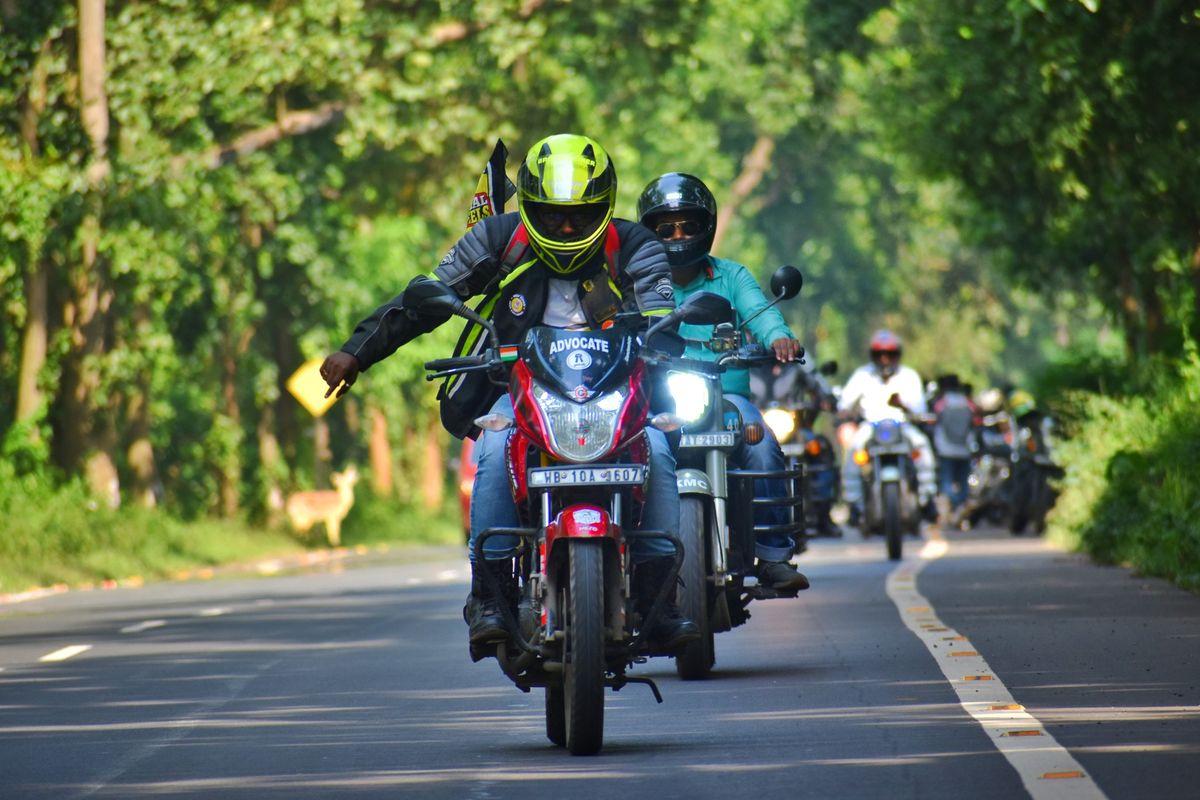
[781, 422]
[690, 392]
[581, 432]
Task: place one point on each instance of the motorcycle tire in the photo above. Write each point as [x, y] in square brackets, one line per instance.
[583, 661]
[695, 660]
[892, 529]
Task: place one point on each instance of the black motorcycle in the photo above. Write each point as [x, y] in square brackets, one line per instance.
[792, 401]
[1031, 492]
[891, 501]
[716, 503]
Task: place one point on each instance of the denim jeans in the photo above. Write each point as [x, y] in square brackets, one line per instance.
[954, 474]
[763, 457]
[492, 504]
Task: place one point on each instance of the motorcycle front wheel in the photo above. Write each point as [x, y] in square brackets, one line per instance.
[583, 663]
[892, 528]
[696, 658]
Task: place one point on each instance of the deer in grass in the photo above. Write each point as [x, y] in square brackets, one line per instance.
[330, 506]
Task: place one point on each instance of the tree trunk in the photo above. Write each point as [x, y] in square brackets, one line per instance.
[754, 167]
[272, 465]
[35, 337]
[85, 431]
[1196, 293]
[1155, 322]
[433, 468]
[33, 340]
[380, 450]
[1131, 311]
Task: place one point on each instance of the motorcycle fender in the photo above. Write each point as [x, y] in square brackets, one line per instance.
[580, 522]
[693, 481]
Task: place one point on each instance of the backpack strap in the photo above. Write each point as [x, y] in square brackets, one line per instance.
[612, 248]
[516, 252]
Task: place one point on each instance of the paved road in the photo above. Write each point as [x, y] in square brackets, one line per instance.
[1084, 682]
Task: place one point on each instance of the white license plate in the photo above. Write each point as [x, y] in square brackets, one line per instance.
[889, 474]
[623, 475]
[707, 440]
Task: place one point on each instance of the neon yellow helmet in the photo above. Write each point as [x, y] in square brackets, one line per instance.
[1021, 403]
[566, 193]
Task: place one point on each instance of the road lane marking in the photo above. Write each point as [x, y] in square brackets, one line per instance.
[1047, 770]
[214, 612]
[144, 626]
[62, 654]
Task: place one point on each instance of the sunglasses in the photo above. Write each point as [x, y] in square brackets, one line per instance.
[578, 218]
[688, 227]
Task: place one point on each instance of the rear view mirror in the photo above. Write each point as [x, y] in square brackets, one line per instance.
[786, 282]
[705, 308]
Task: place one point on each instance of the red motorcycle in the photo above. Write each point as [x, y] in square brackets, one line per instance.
[578, 460]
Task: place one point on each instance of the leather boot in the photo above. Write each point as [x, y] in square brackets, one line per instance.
[482, 612]
[671, 630]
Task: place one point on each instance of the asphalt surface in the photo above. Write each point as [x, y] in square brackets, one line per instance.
[354, 681]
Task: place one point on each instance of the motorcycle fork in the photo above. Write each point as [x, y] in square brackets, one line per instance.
[715, 462]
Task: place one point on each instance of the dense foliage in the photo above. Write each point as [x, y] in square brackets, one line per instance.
[198, 195]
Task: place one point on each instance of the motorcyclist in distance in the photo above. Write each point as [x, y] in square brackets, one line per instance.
[883, 389]
[564, 261]
[682, 212]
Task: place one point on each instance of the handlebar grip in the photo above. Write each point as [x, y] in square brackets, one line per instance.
[440, 364]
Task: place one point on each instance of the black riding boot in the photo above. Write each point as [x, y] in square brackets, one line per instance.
[482, 611]
[671, 630]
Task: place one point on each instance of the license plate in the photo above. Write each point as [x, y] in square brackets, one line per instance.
[623, 475]
[889, 474]
[708, 440]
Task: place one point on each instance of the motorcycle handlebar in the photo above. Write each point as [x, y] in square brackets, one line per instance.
[440, 364]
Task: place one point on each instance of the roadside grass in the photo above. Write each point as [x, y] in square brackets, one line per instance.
[57, 534]
[1131, 492]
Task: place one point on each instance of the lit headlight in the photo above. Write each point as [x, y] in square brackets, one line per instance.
[781, 422]
[690, 392]
[581, 432]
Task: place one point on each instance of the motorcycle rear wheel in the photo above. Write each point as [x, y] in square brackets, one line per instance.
[583, 667]
[892, 528]
[696, 659]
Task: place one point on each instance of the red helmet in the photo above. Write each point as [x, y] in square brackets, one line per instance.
[884, 341]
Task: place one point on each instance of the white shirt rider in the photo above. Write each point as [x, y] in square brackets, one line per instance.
[868, 393]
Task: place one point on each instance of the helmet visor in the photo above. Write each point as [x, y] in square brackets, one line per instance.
[566, 223]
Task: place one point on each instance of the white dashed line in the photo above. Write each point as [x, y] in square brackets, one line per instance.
[214, 612]
[1047, 770]
[144, 626]
[66, 652]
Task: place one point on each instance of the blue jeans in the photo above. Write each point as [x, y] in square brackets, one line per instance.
[763, 457]
[954, 474]
[492, 504]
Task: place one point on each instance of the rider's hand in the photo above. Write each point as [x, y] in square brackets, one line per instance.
[339, 369]
[786, 348]
[894, 402]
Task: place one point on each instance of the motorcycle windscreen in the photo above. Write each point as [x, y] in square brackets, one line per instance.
[578, 364]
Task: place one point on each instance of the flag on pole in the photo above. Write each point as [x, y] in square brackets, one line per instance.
[494, 188]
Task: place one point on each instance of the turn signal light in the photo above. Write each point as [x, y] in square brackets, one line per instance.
[753, 433]
[861, 458]
[813, 448]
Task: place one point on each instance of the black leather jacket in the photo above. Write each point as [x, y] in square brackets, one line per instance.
[514, 297]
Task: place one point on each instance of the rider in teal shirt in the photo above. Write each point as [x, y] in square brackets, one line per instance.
[733, 281]
[682, 212]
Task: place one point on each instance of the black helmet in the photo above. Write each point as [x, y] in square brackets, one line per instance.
[678, 191]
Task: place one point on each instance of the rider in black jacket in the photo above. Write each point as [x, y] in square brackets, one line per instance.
[563, 261]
